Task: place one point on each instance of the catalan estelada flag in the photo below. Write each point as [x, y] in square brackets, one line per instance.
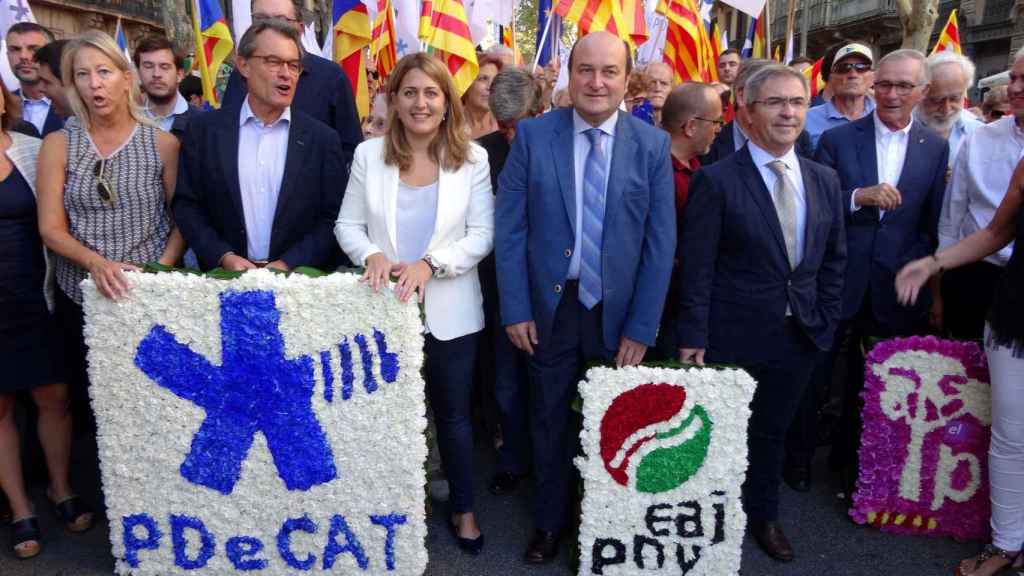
[814, 77]
[686, 42]
[949, 38]
[213, 44]
[595, 15]
[383, 46]
[447, 31]
[352, 34]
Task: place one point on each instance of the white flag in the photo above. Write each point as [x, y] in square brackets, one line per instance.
[241, 17]
[309, 42]
[407, 26]
[651, 51]
[478, 12]
[752, 8]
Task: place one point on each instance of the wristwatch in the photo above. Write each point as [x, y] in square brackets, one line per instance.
[435, 268]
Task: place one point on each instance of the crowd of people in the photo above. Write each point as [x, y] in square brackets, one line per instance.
[623, 219]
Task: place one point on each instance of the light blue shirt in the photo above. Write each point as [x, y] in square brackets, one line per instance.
[262, 151]
[35, 111]
[823, 117]
[580, 149]
[416, 214]
[165, 122]
[964, 126]
[762, 159]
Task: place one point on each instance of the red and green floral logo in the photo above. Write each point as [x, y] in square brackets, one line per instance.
[649, 442]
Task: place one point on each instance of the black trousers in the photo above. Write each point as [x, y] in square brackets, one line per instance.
[967, 295]
[70, 320]
[781, 383]
[555, 370]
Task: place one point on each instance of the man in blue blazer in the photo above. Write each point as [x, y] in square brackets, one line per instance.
[323, 91]
[24, 39]
[585, 233]
[893, 174]
[261, 184]
[762, 252]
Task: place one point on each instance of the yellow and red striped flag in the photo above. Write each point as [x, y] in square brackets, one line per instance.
[714, 51]
[635, 21]
[594, 16]
[383, 45]
[213, 45]
[508, 39]
[686, 42]
[446, 29]
[352, 33]
[760, 46]
[949, 38]
[814, 77]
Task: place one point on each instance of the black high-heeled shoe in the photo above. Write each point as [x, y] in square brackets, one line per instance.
[26, 531]
[471, 546]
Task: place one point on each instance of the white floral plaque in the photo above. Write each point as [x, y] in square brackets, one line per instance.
[665, 453]
[269, 424]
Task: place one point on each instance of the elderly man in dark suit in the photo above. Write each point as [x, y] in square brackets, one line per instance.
[323, 90]
[893, 175]
[261, 184]
[585, 231]
[762, 254]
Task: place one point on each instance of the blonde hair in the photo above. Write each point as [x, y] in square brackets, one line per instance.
[105, 44]
[450, 147]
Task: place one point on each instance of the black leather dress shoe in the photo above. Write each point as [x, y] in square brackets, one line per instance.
[797, 477]
[504, 483]
[770, 538]
[543, 547]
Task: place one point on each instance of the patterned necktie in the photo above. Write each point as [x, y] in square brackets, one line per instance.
[784, 197]
[592, 226]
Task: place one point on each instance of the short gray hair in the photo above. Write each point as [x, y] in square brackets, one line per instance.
[247, 45]
[747, 69]
[945, 58]
[514, 95]
[906, 54]
[752, 88]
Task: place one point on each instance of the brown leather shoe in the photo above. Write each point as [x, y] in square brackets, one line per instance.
[770, 538]
[543, 547]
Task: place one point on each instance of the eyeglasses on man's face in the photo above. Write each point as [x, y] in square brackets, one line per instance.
[274, 64]
[901, 88]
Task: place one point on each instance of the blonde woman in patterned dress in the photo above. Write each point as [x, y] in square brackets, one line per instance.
[105, 183]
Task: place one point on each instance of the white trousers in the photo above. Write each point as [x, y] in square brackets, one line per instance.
[1006, 452]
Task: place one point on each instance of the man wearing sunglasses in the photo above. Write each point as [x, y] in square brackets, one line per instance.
[261, 184]
[849, 78]
[892, 172]
[323, 91]
[980, 178]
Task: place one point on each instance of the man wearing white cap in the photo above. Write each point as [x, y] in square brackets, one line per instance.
[849, 77]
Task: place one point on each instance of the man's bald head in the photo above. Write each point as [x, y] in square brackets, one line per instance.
[610, 41]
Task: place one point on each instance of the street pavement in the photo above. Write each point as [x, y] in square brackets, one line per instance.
[826, 542]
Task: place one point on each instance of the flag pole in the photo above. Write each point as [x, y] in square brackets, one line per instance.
[790, 28]
[767, 30]
[543, 38]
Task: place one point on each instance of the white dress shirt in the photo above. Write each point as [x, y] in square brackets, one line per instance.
[262, 151]
[165, 122]
[890, 154]
[762, 158]
[35, 111]
[980, 178]
[581, 148]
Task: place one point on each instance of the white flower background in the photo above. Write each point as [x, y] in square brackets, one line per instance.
[145, 431]
[611, 510]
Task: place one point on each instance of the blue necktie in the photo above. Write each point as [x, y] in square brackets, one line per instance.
[592, 227]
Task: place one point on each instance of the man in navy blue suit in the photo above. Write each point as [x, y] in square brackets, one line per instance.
[24, 39]
[323, 91]
[585, 233]
[259, 184]
[762, 252]
[893, 174]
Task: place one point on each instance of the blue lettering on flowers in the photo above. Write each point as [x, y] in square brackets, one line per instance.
[134, 543]
[256, 389]
[284, 542]
[179, 524]
[339, 527]
[241, 550]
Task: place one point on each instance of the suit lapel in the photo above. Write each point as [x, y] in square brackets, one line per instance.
[751, 177]
[389, 189]
[564, 154]
[623, 151]
[914, 141]
[866, 150]
[812, 201]
[298, 147]
[228, 145]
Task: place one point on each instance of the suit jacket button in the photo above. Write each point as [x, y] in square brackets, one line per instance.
[789, 283]
[558, 288]
[568, 253]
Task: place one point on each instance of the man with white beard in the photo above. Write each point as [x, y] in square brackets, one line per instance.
[949, 75]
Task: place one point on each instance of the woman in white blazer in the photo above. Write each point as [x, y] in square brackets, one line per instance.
[419, 205]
